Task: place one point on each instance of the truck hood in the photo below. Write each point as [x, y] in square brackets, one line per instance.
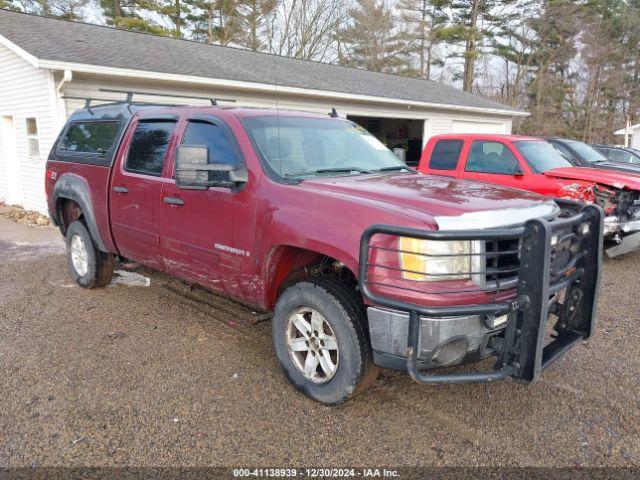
[426, 198]
[611, 178]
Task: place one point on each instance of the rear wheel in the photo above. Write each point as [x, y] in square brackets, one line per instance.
[320, 337]
[89, 266]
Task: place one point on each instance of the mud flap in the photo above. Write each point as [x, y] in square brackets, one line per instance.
[628, 244]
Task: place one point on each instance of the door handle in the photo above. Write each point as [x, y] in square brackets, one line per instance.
[173, 201]
[120, 189]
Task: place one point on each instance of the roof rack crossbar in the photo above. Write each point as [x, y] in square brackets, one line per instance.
[88, 102]
[131, 93]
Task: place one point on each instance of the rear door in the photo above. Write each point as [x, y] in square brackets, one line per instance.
[136, 189]
[206, 233]
[492, 161]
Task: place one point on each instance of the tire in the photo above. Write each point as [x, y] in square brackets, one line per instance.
[344, 326]
[89, 267]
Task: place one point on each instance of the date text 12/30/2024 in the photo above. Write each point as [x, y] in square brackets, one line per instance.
[315, 472]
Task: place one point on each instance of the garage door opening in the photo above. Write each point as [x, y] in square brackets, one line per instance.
[396, 133]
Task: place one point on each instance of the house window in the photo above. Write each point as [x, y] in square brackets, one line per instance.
[33, 143]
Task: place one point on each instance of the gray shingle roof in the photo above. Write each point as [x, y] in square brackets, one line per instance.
[58, 40]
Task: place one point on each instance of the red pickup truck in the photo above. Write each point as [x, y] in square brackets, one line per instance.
[364, 262]
[534, 164]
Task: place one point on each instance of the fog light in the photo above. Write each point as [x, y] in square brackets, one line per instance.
[584, 228]
[554, 240]
[494, 322]
[450, 352]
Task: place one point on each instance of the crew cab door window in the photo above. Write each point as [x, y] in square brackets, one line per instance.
[620, 156]
[149, 147]
[445, 155]
[492, 157]
[221, 148]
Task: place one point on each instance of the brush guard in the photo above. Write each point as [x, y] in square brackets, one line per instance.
[523, 354]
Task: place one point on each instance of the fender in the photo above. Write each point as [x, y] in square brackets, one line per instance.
[76, 188]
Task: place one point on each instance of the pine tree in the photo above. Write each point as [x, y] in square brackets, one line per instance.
[67, 9]
[371, 41]
[252, 15]
[473, 23]
[423, 21]
[174, 12]
[214, 21]
[10, 5]
[127, 15]
[551, 84]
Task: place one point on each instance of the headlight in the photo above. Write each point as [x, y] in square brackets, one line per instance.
[434, 260]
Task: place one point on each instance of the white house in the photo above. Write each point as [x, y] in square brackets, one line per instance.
[48, 68]
[634, 135]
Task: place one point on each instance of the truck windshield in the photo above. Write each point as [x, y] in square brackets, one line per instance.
[541, 156]
[586, 152]
[302, 147]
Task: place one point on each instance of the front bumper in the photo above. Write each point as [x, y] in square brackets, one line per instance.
[621, 237]
[613, 225]
[442, 342]
[544, 289]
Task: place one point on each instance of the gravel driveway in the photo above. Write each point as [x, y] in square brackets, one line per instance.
[163, 375]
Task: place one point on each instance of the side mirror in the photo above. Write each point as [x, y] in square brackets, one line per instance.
[194, 172]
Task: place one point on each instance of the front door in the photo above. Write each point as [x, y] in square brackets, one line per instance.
[206, 234]
[136, 190]
[493, 162]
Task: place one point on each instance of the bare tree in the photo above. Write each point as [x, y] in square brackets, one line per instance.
[306, 28]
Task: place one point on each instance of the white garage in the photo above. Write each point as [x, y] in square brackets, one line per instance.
[468, 126]
[49, 68]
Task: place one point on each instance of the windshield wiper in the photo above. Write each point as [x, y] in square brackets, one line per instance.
[342, 170]
[325, 170]
[397, 168]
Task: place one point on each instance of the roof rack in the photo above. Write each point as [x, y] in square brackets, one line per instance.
[131, 93]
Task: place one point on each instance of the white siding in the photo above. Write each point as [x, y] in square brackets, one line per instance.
[635, 138]
[466, 126]
[439, 121]
[445, 122]
[26, 92]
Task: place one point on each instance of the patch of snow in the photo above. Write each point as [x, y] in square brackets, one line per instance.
[130, 279]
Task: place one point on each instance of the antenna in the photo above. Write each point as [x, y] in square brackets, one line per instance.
[275, 85]
[333, 113]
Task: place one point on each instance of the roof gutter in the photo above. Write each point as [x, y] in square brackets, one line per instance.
[66, 77]
[265, 87]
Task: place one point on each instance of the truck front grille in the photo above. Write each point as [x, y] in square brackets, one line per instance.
[502, 264]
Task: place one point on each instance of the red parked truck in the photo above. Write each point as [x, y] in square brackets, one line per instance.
[533, 164]
[364, 262]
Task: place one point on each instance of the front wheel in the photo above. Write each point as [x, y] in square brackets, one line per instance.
[89, 266]
[320, 338]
